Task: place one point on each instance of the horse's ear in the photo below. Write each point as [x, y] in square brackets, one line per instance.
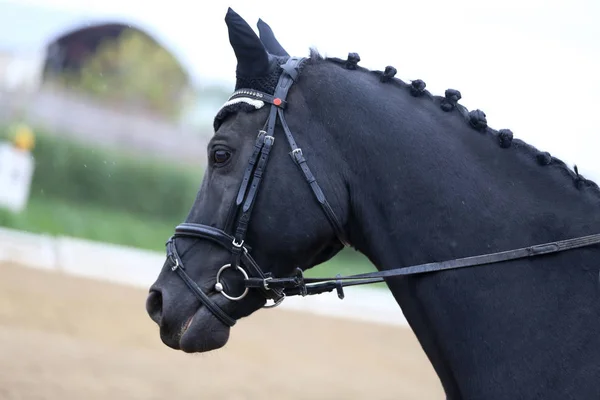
[252, 57]
[268, 38]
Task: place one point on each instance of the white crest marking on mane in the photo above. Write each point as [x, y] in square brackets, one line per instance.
[248, 100]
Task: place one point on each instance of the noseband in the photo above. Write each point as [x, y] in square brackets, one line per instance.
[277, 289]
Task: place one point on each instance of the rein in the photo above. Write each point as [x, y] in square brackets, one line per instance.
[299, 285]
[277, 289]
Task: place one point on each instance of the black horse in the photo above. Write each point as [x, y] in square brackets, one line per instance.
[347, 156]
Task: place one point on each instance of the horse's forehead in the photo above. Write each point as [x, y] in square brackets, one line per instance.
[235, 106]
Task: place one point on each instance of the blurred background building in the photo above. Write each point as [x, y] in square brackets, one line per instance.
[121, 119]
[114, 77]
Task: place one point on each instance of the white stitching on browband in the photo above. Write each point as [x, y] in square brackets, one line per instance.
[250, 92]
[248, 100]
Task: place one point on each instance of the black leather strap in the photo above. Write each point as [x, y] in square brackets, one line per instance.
[260, 139]
[319, 285]
[298, 157]
[204, 232]
[288, 77]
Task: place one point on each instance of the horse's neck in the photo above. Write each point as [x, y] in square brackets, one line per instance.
[451, 192]
[435, 197]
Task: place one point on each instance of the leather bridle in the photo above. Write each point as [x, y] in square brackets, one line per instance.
[277, 289]
[245, 201]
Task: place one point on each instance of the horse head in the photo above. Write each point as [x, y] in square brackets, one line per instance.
[253, 214]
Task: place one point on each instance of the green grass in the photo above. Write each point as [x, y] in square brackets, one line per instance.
[44, 215]
[77, 172]
[347, 262]
[56, 217]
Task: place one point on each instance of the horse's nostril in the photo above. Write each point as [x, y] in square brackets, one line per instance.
[154, 305]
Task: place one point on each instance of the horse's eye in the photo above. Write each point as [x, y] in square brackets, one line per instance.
[221, 156]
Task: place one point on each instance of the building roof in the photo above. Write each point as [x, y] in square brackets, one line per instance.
[28, 27]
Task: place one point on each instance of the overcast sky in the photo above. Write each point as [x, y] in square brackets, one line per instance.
[532, 65]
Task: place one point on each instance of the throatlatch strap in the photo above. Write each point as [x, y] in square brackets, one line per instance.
[287, 78]
[300, 161]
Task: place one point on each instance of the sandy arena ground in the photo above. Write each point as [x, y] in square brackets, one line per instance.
[70, 338]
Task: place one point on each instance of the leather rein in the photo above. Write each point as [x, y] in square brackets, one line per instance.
[277, 289]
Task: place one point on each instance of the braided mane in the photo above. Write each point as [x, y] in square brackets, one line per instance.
[476, 119]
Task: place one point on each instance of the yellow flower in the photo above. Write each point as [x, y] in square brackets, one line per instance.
[24, 138]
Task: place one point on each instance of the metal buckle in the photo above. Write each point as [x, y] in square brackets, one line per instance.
[299, 275]
[266, 283]
[236, 244]
[297, 155]
[219, 286]
[175, 265]
[271, 138]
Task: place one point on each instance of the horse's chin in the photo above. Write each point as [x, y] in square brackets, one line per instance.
[203, 333]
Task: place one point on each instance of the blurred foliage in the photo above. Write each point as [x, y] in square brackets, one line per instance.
[60, 217]
[134, 70]
[80, 174]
